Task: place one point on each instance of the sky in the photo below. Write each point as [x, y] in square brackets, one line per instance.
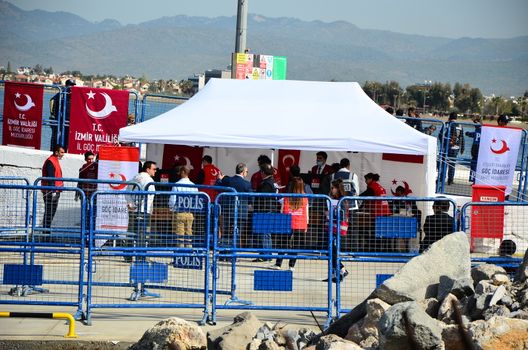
[445, 18]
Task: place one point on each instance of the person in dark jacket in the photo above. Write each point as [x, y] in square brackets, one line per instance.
[51, 168]
[437, 225]
[266, 204]
[227, 203]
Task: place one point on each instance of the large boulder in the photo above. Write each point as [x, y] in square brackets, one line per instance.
[499, 333]
[419, 278]
[407, 326]
[172, 333]
[235, 336]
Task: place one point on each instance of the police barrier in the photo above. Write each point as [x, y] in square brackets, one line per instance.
[43, 256]
[254, 233]
[153, 264]
[458, 157]
[496, 228]
[375, 236]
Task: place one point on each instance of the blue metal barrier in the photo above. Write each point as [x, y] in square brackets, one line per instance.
[134, 253]
[251, 230]
[44, 265]
[373, 248]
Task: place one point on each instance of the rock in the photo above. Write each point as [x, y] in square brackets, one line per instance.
[370, 343]
[500, 279]
[235, 336]
[430, 306]
[268, 345]
[446, 312]
[419, 278]
[499, 333]
[496, 310]
[172, 333]
[255, 344]
[458, 287]
[333, 342]
[425, 332]
[522, 271]
[368, 326]
[305, 337]
[485, 272]
[497, 295]
[520, 314]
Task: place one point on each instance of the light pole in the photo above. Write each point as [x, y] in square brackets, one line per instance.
[241, 30]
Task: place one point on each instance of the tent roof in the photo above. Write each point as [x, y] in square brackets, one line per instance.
[285, 114]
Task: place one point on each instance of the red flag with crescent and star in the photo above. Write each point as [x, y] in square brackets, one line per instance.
[96, 116]
[287, 158]
[22, 122]
[176, 155]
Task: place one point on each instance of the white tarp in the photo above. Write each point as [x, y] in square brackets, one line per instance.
[282, 114]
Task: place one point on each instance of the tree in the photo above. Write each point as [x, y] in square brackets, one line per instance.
[439, 96]
[38, 69]
[48, 70]
[186, 87]
[413, 94]
[467, 99]
[373, 89]
[9, 70]
[391, 92]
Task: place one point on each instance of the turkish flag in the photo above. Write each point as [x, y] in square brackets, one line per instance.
[22, 124]
[176, 155]
[287, 158]
[96, 116]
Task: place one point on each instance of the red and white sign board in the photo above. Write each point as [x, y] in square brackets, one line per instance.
[115, 163]
[95, 118]
[497, 158]
[22, 125]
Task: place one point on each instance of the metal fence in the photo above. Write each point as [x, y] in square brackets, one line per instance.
[143, 261]
[254, 234]
[174, 248]
[41, 254]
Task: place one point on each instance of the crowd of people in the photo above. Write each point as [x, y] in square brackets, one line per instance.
[310, 215]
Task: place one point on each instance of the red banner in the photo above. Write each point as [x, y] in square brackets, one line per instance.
[175, 155]
[95, 118]
[287, 158]
[22, 124]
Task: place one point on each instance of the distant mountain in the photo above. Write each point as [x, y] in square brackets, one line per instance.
[176, 47]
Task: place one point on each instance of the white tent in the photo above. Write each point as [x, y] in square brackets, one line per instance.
[305, 115]
[240, 119]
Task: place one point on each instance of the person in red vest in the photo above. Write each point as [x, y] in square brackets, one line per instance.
[208, 176]
[374, 189]
[257, 177]
[51, 168]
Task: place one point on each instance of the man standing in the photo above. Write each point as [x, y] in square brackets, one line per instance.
[208, 176]
[350, 180]
[240, 184]
[455, 145]
[138, 215]
[88, 172]
[319, 171]
[266, 205]
[52, 168]
[182, 218]
[256, 178]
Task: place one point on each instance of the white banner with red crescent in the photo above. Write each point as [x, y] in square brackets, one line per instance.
[497, 158]
[115, 163]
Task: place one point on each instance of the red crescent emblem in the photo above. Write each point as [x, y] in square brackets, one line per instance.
[407, 188]
[117, 186]
[503, 149]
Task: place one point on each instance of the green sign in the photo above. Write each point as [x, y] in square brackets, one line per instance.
[280, 65]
